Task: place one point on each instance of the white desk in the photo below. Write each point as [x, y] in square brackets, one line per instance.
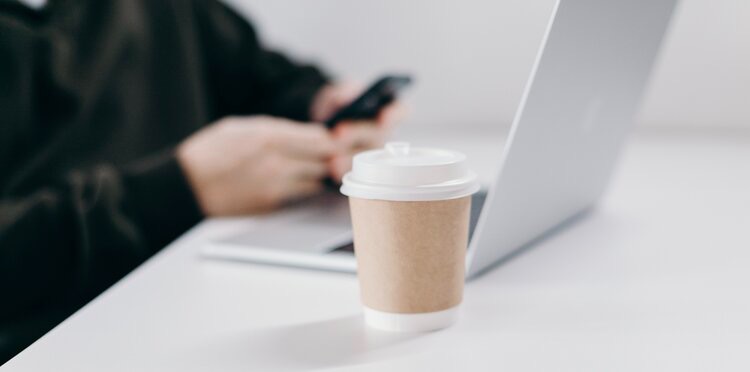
[658, 278]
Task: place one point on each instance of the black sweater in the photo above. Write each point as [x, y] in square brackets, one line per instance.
[94, 95]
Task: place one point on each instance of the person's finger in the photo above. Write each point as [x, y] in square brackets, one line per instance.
[346, 92]
[305, 169]
[339, 165]
[391, 114]
[302, 140]
[360, 135]
[333, 98]
[304, 188]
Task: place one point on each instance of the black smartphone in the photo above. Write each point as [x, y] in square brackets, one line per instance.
[367, 105]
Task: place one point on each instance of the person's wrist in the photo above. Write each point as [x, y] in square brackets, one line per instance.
[183, 158]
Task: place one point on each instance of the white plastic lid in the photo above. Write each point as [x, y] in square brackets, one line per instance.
[400, 172]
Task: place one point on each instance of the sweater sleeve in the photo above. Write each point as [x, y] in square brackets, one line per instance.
[247, 78]
[74, 239]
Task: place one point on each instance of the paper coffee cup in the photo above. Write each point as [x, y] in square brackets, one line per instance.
[410, 214]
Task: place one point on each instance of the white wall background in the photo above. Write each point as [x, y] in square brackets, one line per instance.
[471, 58]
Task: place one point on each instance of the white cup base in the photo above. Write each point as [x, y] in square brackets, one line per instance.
[420, 322]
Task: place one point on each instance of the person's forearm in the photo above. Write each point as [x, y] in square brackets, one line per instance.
[296, 87]
[245, 77]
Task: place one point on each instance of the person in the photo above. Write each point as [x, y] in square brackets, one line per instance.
[124, 122]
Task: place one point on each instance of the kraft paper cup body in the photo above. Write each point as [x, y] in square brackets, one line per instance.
[410, 235]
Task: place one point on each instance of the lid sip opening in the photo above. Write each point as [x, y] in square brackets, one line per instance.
[398, 148]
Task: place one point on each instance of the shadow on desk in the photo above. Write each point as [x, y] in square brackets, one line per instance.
[329, 343]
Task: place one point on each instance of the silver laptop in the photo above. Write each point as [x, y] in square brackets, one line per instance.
[576, 111]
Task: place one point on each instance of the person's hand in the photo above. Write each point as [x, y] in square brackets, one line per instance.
[243, 165]
[353, 136]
